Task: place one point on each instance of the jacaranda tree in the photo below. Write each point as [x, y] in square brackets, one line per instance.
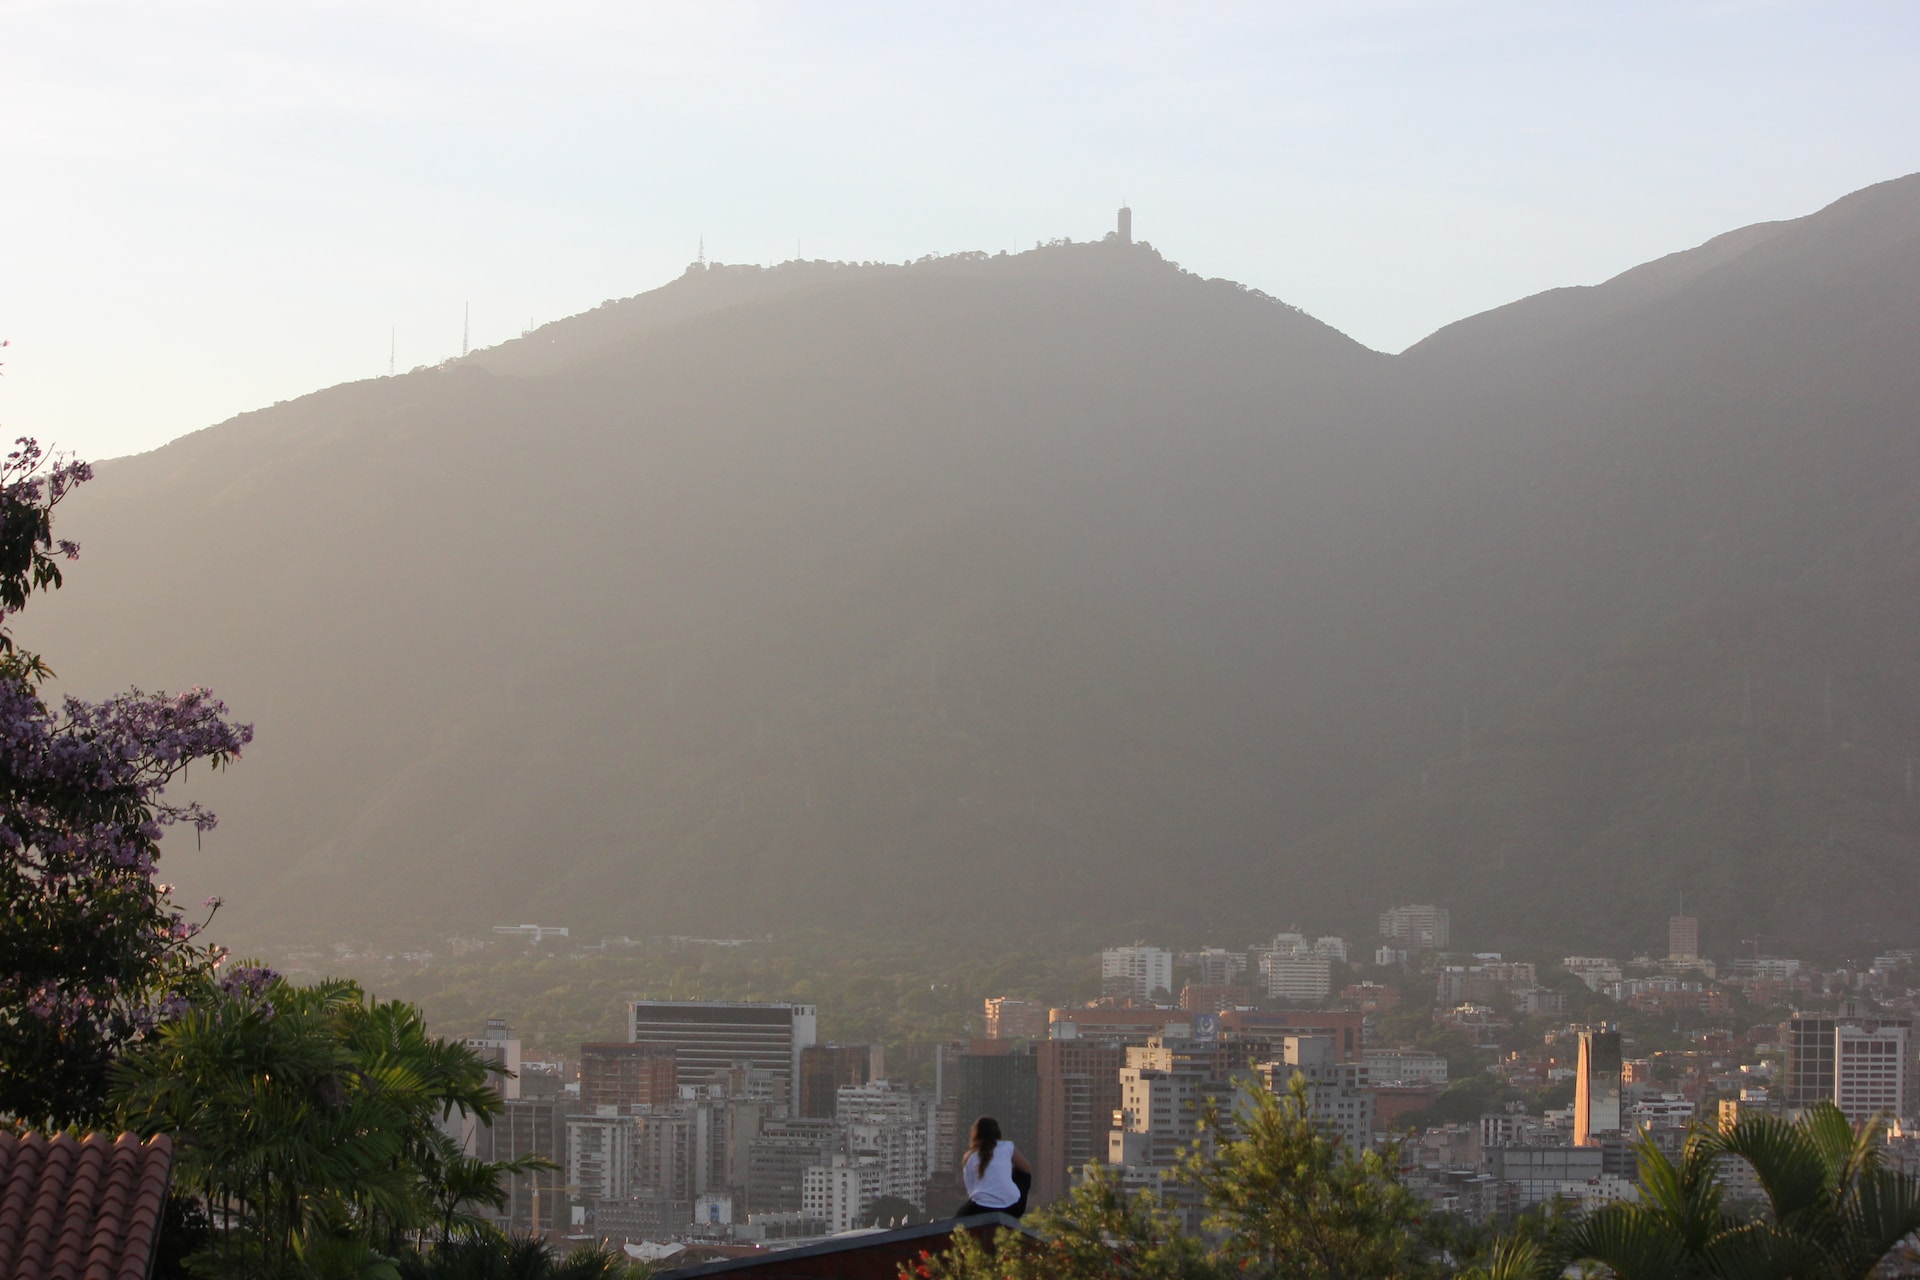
[93, 951]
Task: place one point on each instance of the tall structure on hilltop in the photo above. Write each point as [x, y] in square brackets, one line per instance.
[1683, 938]
[710, 1038]
[1136, 972]
[1125, 228]
[499, 1049]
[628, 1075]
[1596, 1087]
[1418, 928]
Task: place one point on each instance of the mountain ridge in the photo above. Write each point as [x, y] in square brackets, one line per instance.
[1059, 581]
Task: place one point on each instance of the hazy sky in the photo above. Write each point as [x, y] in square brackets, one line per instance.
[209, 206]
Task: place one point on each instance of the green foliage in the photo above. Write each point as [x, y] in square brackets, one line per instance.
[305, 1117]
[1098, 1231]
[1283, 1200]
[1835, 1211]
[1287, 1201]
[519, 1258]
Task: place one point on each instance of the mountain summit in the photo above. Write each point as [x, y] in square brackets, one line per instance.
[1066, 585]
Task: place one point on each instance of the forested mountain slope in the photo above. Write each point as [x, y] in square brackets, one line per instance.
[1065, 584]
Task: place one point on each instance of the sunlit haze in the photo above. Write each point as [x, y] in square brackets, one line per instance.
[208, 207]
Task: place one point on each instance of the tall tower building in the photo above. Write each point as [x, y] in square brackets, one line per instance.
[1126, 225]
[1596, 1088]
[1079, 1088]
[1683, 938]
[710, 1038]
[1870, 1071]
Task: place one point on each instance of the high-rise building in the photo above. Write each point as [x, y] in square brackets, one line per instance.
[1217, 967]
[839, 1194]
[1301, 977]
[1870, 1071]
[600, 1154]
[711, 1037]
[1009, 1018]
[1339, 1092]
[826, 1068]
[1079, 1088]
[626, 1075]
[500, 1050]
[1139, 972]
[1164, 1089]
[1005, 1086]
[1419, 928]
[1125, 230]
[778, 1158]
[1596, 1087]
[531, 1127]
[1811, 1058]
[891, 1126]
[1683, 938]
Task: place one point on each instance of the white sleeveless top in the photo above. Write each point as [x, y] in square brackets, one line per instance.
[994, 1189]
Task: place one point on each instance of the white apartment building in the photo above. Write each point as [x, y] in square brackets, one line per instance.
[600, 1154]
[1667, 1111]
[1870, 1071]
[499, 1048]
[1405, 1067]
[1136, 971]
[1419, 928]
[1595, 971]
[840, 1194]
[1331, 948]
[894, 1126]
[1305, 977]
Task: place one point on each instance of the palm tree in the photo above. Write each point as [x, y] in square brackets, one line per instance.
[302, 1114]
[1828, 1187]
[1834, 1210]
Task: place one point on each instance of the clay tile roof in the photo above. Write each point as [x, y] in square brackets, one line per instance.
[81, 1208]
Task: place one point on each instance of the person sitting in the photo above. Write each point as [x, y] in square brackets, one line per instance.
[996, 1175]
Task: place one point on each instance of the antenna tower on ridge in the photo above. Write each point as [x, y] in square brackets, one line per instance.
[392, 346]
[703, 249]
[466, 318]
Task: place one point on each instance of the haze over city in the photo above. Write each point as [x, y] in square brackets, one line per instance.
[979, 644]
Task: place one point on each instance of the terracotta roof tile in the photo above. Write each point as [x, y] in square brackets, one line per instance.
[81, 1208]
